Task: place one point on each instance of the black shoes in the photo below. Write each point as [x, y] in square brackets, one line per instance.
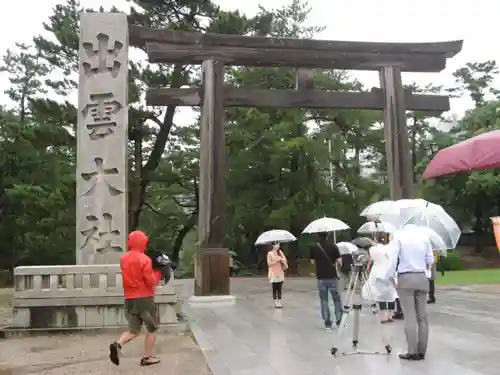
[114, 353]
[431, 300]
[412, 357]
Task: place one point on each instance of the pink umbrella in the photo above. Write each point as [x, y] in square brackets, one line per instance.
[479, 152]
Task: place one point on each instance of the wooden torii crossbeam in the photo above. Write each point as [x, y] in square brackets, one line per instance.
[215, 51]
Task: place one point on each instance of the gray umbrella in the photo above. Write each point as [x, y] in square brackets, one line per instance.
[363, 242]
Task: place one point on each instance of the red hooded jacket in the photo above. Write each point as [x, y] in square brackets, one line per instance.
[139, 278]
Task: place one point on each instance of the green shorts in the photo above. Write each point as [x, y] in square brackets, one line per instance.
[141, 311]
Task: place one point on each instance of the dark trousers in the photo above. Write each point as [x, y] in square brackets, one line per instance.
[277, 289]
[432, 290]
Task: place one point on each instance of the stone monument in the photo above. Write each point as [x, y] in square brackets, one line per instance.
[102, 136]
[89, 295]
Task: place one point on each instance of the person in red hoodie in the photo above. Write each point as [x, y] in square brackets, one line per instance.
[139, 281]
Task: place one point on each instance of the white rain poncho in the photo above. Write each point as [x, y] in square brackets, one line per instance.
[382, 290]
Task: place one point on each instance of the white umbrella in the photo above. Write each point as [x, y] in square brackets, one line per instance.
[346, 248]
[275, 235]
[377, 227]
[379, 209]
[433, 216]
[326, 224]
[409, 207]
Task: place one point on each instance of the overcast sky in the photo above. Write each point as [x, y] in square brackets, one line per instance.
[476, 22]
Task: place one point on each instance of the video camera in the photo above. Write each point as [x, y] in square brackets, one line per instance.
[361, 258]
[162, 263]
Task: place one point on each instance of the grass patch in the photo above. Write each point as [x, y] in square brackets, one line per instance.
[5, 297]
[470, 277]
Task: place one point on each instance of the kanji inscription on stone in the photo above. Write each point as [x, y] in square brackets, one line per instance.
[102, 58]
[99, 176]
[100, 115]
[102, 232]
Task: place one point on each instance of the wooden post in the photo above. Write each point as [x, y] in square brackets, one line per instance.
[212, 260]
[304, 79]
[399, 168]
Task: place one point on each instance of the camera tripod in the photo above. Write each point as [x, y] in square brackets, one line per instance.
[357, 279]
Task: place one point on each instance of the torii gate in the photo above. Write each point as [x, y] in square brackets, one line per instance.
[215, 51]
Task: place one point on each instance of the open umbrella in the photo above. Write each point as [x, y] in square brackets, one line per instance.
[275, 235]
[380, 209]
[479, 152]
[326, 224]
[433, 216]
[346, 248]
[436, 241]
[363, 242]
[398, 212]
[376, 227]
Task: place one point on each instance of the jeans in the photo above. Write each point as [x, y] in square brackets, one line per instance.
[325, 287]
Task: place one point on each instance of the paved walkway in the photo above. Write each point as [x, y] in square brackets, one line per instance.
[251, 337]
[88, 354]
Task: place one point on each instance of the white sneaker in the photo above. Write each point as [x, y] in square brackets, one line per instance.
[328, 329]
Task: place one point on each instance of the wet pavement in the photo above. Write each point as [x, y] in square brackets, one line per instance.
[252, 337]
[86, 354]
[77, 354]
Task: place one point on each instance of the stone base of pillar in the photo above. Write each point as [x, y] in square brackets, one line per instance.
[212, 273]
[78, 298]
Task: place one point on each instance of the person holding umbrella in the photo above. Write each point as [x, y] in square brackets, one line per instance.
[411, 258]
[326, 258]
[276, 260]
[325, 255]
[277, 264]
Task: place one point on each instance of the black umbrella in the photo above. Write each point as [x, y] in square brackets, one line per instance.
[363, 242]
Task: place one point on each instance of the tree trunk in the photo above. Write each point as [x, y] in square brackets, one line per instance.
[357, 162]
[137, 200]
[294, 225]
[179, 239]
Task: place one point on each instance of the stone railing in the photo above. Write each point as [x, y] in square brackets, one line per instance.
[82, 297]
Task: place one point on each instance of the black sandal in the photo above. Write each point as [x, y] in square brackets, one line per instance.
[148, 361]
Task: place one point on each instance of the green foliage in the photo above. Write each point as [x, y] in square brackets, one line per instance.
[186, 259]
[451, 263]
